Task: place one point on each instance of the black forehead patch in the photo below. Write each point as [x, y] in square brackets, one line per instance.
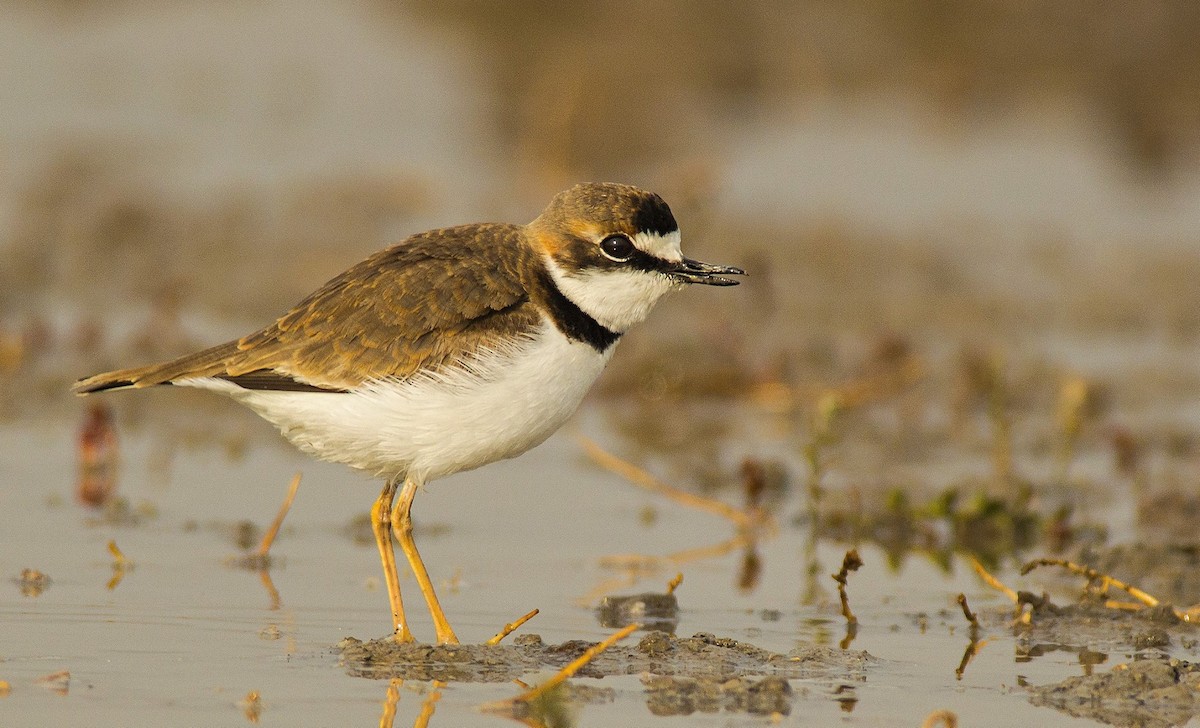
[613, 208]
[652, 215]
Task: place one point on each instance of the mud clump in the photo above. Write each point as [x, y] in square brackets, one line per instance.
[702, 657]
[1148, 693]
[384, 658]
[653, 611]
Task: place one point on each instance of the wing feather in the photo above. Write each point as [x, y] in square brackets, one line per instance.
[429, 302]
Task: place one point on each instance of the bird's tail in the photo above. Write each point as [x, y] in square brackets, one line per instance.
[201, 364]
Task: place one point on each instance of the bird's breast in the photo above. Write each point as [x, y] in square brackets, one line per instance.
[504, 401]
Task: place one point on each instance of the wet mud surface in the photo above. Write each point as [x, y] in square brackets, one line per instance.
[1096, 625]
[1156, 692]
[702, 657]
[679, 675]
[1169, 571]
[1153, 688]
[1110, 619]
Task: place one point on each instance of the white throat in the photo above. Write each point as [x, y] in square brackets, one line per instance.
[616, 299]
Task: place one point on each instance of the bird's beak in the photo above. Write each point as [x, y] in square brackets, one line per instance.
[693, 271]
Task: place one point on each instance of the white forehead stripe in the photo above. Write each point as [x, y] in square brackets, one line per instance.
[659, 246]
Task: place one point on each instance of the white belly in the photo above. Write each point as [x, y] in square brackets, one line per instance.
[431, 426]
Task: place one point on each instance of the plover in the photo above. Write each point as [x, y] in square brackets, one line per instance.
[450, 350]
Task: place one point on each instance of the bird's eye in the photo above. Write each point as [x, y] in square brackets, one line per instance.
[617, 247]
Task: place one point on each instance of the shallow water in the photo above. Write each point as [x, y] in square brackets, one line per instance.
[184, 636]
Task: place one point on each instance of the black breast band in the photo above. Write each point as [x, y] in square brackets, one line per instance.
[573, 321]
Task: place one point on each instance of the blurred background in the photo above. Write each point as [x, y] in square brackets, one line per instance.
[1013, 175]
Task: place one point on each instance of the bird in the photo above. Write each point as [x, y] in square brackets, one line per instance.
[449, 350]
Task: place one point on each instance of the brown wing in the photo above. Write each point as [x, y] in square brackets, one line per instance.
[423, 304]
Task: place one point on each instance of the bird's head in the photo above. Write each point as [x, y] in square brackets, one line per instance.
[613, 250]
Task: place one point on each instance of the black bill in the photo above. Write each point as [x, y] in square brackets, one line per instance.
[693, 271]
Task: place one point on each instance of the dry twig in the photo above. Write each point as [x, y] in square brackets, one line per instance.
[1104, 580]
[577, 664]
[511, 627]
[642, 479]
[966, 610]
[992, 581]
[850, 562]
[640, 565]
[269, 537]
[1015, 597]
[507, 706]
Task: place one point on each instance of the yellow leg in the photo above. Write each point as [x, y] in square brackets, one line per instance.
[402, 525]
[381, 525]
